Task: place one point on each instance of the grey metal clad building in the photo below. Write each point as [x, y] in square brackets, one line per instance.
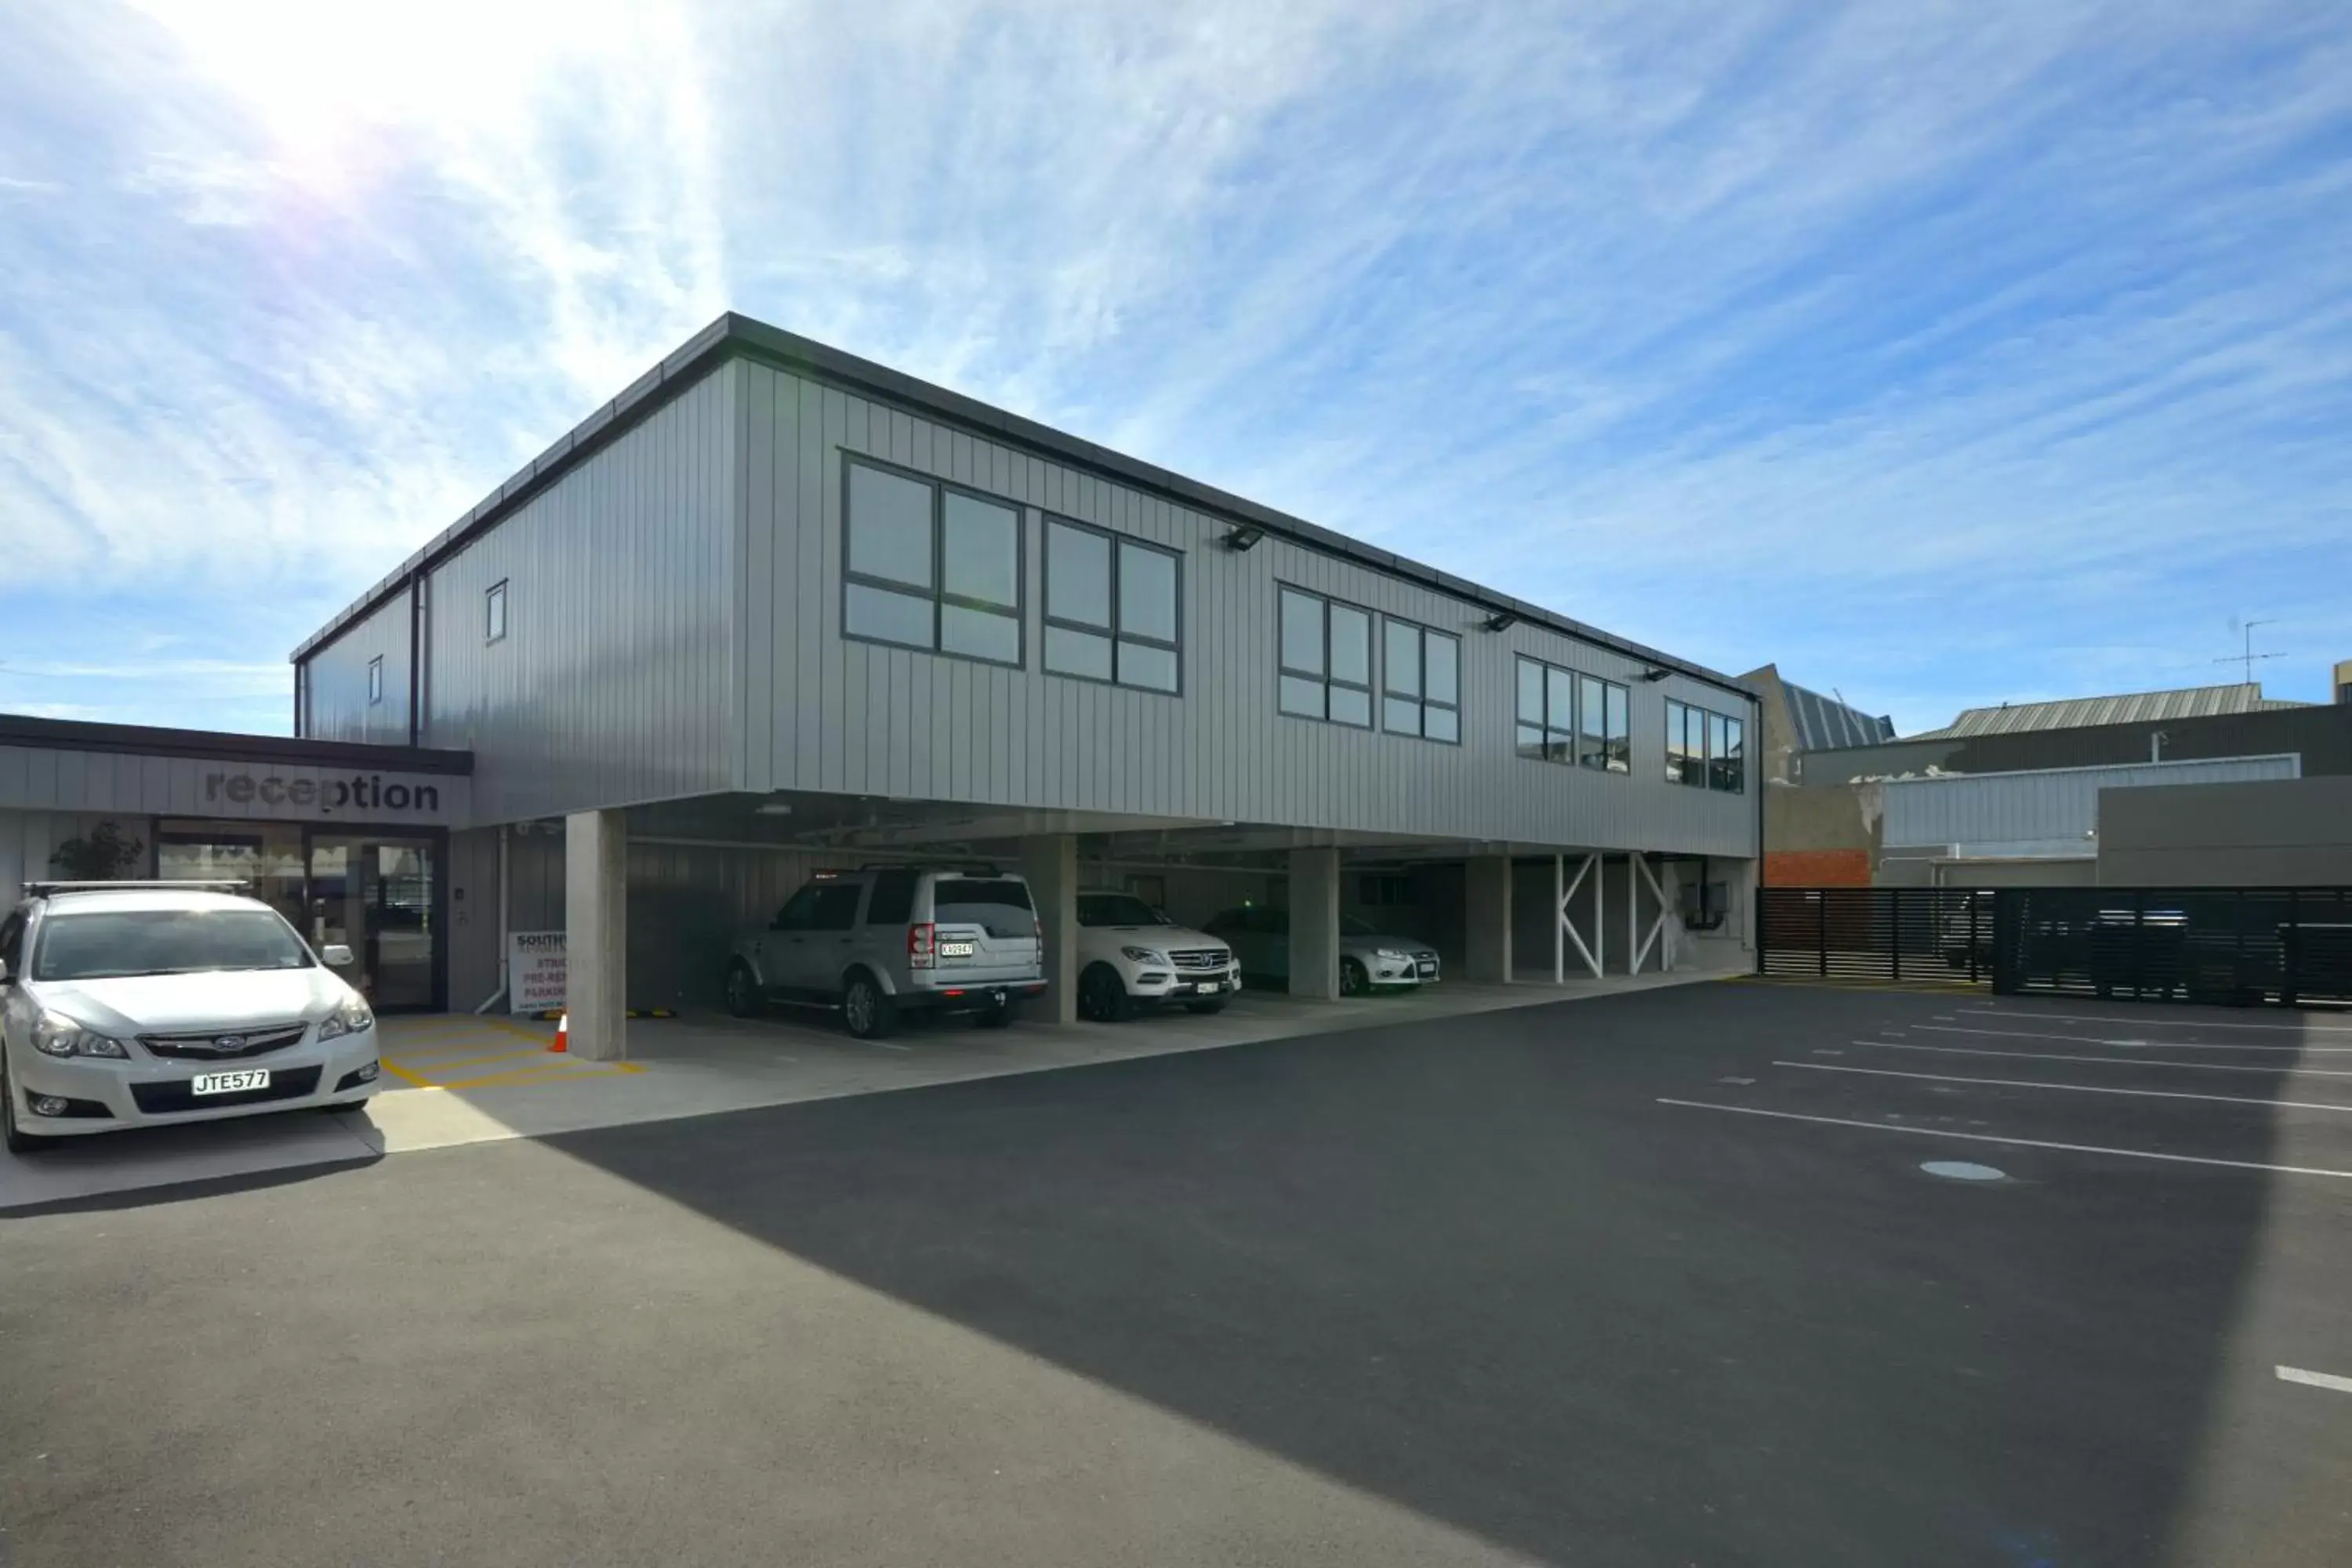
[777, 608]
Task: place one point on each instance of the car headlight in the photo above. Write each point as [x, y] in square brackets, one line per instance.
[58, 1036]
[1143, 956]
[1390, 954]
[348, 1017]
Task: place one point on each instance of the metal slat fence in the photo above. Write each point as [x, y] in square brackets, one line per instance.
[2245, 947]
[2251, 947]
[1890, 934]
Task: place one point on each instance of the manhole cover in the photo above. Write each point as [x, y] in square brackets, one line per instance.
[1961, 1171]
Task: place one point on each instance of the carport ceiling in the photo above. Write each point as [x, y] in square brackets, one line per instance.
[886, 825]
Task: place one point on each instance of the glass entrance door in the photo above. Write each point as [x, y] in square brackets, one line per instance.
[376, 896]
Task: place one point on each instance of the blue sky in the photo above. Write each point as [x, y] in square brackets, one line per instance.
[1944, 353]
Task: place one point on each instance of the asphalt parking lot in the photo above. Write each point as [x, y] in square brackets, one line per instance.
[1654, 1278]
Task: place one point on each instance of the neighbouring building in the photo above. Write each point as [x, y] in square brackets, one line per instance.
[2022, 794]
[1811, 839]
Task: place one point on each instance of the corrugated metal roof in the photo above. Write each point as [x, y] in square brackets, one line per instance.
[1823, 723]
[2080, 712]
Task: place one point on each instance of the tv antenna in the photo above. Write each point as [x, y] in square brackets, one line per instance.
[2249, 659]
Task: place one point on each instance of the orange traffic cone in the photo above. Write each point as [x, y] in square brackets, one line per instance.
[562, 1034]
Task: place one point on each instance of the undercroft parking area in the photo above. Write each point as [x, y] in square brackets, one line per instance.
[1695, 1275]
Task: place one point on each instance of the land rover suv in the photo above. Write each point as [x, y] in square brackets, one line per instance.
[886, 941]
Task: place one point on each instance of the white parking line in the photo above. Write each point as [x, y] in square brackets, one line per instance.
[2134, 1044]
[2010, 1142]
[2153, 1023]
[2315, 1379]
[2070, 1087]
[2101, 1061]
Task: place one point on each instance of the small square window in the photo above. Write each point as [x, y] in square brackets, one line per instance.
[494, 612]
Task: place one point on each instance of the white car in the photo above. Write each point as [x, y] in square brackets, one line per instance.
[1130, 954]
[147, 1004]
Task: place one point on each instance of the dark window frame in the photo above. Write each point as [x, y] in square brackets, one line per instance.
[494, 612]
[1616, 754]
[376, 681]
[1047, 522]
[937, 593]
[1701, 768]
[1616, 758]
[1422, 632]
[1370, 686]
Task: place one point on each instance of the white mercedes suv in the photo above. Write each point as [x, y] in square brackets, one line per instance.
[1130, 954]
[145, 1005]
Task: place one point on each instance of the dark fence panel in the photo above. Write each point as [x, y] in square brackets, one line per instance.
[1876, 933]
[2248, 947]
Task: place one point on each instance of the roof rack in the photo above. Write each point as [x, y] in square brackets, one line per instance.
[221, 884]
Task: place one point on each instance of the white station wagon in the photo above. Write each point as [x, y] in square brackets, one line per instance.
[143, 1005]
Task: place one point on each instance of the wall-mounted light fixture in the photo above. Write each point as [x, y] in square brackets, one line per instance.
[1244, 537]
[1500, 621]
[1654, 673]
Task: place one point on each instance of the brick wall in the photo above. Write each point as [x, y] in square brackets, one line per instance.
[1817, 869]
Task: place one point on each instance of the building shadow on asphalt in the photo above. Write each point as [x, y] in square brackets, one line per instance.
[1473, 1267]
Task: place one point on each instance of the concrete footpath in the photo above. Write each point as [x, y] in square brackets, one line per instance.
[459, 1079]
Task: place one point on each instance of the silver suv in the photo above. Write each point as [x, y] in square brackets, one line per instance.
[141, 1004]
[890, 939]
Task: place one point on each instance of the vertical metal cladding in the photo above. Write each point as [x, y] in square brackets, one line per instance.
[612, 683]
[340, 707]
[818, 711]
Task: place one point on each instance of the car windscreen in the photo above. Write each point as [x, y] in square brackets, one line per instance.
[1350, 925]
[1116, 910]
[999, 907]
[112, 944]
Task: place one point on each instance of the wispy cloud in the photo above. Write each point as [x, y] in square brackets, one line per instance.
[1942, 354]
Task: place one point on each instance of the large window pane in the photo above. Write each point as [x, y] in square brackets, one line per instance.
[1303, 698]
[1400, 652]
[1559, 700]
[889, 527]
[1591, 751]
[1077, 576]
[1146, 592]
[1531, 741]
[1401, 715]
[1078, 653]
[983, 633]
[1733, 767]
[1351, 646]
[981, 551]
[1142, 664]
[1673, 742]
[1441, 724]
[1302, 636]
[1620, 733]
[892, 617]
[1443, 662]
[1350, 706]
[1531, 693]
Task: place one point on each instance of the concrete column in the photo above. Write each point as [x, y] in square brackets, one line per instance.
[1314, 922]
[1486, 919]
[1050, 862]
[1558, 922]
[596, 933]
